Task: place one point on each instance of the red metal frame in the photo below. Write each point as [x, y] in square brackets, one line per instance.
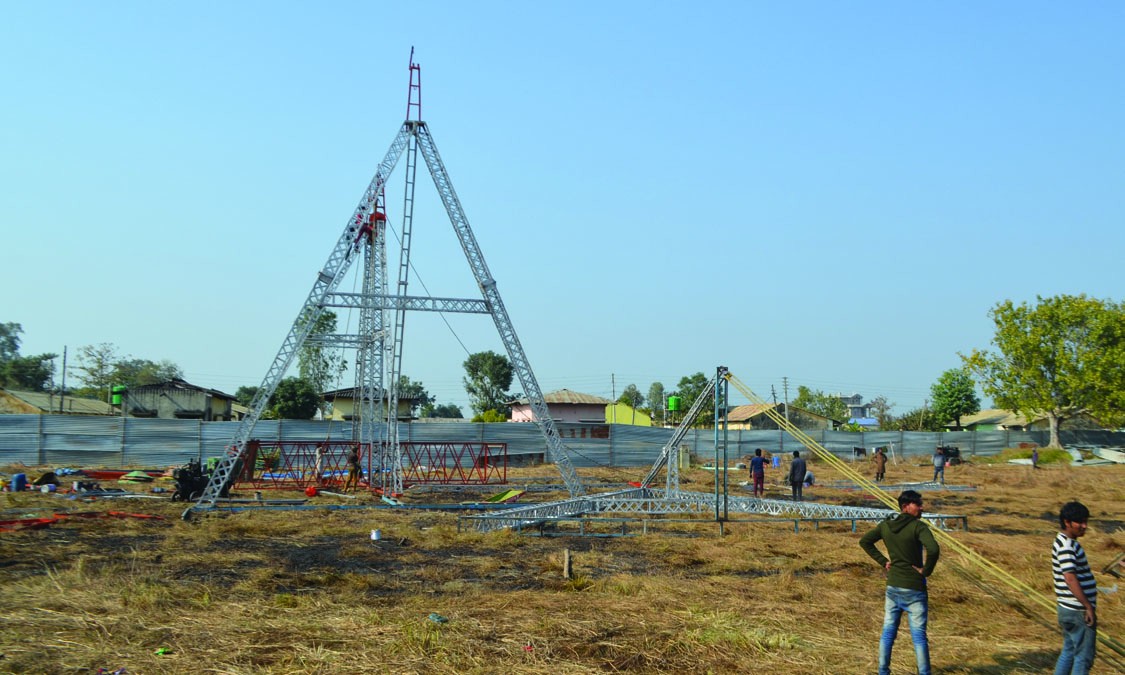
[292, 465]
[449, 463]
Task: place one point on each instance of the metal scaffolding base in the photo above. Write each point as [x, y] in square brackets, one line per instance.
[653, 501]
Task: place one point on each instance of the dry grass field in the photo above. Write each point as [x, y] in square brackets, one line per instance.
[309, 591]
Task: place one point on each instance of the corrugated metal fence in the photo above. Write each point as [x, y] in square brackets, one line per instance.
[108, 442]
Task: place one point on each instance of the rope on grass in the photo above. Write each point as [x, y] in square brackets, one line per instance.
[1025, 591]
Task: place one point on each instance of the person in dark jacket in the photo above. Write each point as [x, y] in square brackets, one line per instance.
[797, 469]
[905, 537]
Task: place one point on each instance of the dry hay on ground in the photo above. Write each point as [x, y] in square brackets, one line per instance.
[310, 592]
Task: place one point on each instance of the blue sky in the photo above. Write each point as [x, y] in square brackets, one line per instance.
[836, 193]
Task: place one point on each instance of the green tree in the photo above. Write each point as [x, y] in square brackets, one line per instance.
[955, 396]
[30, 373]
[295, 399]
[9, 341]
[245, 394]
[139, 372]
[447, 410]
[490, 416]
[689, 389]
[825, 405]
[880, 408]
[631, 396]
[918, 419]
[415, 393]
[97, 365]
[1059, 357]
[488, 377]
[317, 364]
[656, 399]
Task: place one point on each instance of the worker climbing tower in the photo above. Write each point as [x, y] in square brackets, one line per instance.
[380, 340]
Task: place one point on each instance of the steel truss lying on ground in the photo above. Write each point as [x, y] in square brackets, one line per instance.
[302, 464]
[657, 501]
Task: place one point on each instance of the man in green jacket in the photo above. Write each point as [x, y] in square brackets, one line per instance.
[904, 536]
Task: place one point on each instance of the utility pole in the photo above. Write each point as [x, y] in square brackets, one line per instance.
[785, 391]
[613, 393]
[62, 389]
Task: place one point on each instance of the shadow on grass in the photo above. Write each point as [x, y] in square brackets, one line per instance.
[1040, 661]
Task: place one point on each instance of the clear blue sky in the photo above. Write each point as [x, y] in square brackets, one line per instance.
[836, 193]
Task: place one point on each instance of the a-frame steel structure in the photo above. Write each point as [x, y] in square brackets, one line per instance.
[382, 316]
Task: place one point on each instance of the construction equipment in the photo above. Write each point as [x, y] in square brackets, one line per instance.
[382, 316]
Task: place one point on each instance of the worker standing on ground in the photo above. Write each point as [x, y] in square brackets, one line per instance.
[939, 465]
[1075, 591]
[905, 537]
[354, 470]
[880, 460]
[758, 473]
[797, 471]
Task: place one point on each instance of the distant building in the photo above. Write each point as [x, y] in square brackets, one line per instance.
[565, 406]
[756, 416]
[177, 399]
[343, 405]
[42, 403]
[623, 413]
[857, 409]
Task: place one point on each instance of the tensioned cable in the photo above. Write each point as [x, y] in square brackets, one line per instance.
[946, 538]
[423, 283]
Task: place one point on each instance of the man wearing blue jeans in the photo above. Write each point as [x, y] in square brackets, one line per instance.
[905, 537]
[1075, 591]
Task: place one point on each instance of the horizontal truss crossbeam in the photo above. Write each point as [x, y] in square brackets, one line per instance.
[656, 501]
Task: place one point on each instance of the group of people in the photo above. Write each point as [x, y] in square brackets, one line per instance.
[799, 474]
[351, 462]
[798, 477]
[912, 553]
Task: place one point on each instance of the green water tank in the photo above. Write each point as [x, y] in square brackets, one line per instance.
[673, 402]
[116, 393]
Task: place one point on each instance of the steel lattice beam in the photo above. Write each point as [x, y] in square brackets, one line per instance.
[412, 303]
[655, 501]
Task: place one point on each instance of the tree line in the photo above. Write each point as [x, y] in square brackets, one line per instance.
[1058, 357]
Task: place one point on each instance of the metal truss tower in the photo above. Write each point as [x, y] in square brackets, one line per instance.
[380, 341]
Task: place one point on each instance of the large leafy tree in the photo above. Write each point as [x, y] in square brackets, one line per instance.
[918, 419]
[689, 389]
[881, 409]
[245, 394]
[317, 364]
[415, 393]
[100, 366]
[631, 396]
[139, 372]
[488, 376]
[954, 396]
[820, 403]
[30, 373]
[96, 367]
[447, 410]
[656, 398]
[1061, 356]
[295, 399]
[9, 341]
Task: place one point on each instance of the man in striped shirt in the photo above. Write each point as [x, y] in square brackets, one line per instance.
[1076, 592]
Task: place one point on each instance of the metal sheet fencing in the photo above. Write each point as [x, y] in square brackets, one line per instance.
[110, 442]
